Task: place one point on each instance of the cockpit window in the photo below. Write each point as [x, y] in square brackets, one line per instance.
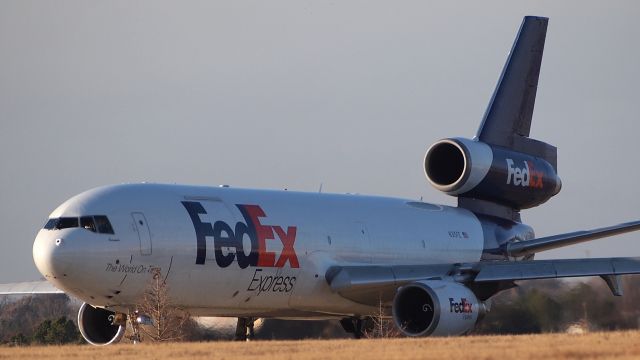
[97, 223]
[87, 223]
[51, 224]
[66, 222]
[104, 226]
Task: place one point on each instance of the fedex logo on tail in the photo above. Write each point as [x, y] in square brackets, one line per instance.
[230, 237]
[525, 177]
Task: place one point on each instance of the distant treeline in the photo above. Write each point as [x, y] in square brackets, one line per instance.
[554, 305]
[41, 319]
[533, 307]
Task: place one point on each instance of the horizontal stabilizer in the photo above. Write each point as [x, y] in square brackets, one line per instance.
[523, 248]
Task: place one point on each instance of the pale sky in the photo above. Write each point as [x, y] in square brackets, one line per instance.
[292, 94]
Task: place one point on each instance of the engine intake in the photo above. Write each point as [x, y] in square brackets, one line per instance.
[96, 326]
[436, 307]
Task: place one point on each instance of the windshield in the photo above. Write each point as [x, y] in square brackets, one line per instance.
[93, 223]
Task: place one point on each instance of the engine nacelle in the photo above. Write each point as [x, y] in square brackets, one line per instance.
[96, 325]
[473, 169]
[436, 308]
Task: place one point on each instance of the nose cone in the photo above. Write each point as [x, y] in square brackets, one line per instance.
[47, 255]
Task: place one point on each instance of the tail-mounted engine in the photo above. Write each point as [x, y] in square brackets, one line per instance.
[476, 170]
[436, 308]
[99, 326]
[503, 170]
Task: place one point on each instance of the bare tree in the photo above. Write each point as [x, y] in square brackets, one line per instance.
[167, 320]
[381, 326]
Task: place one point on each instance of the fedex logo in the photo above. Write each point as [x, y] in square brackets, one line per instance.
[226, 236]
[462, 307]
[525, 177]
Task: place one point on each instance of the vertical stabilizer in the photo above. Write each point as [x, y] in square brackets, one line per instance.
[507, 121]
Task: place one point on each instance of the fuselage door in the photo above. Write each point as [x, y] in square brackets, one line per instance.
[140, 222]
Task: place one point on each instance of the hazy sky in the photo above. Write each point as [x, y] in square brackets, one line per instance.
[274, 94]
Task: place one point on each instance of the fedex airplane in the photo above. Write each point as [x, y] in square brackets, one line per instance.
[226, 252]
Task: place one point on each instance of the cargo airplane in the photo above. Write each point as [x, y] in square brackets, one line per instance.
[227, 252]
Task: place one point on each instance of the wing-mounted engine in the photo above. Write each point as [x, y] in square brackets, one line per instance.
[436, 308]
[476, 170]
[99, 326]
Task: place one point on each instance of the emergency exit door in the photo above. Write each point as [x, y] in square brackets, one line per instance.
[140, 223]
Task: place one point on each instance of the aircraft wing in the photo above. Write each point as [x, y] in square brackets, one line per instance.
[364, 283]
[547, 269]
[370, 284]
[31, 287]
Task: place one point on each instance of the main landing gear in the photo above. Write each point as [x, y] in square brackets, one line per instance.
[244, 329]
[356, 326]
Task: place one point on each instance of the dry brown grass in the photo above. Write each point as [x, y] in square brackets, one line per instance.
[618, 345]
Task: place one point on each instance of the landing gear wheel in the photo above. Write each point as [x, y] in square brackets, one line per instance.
[356, 326]
[244, 329]
[135, 336]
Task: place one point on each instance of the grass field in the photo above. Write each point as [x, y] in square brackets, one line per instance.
[618, 345]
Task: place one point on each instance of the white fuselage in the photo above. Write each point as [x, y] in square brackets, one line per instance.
[235, 252]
